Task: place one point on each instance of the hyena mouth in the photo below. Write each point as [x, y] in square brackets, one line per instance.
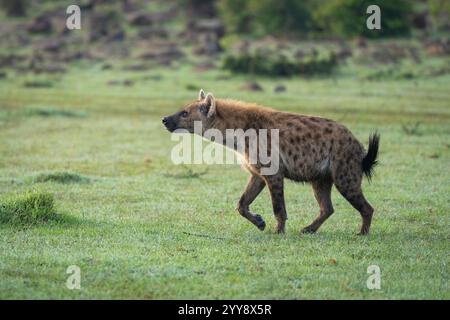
[168, 123]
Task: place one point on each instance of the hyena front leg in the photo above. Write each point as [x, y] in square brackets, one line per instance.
[276, 188]
[254, 187]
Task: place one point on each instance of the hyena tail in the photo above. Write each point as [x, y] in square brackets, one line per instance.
[370, 160]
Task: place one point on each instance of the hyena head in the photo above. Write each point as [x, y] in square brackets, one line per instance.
[203, 110]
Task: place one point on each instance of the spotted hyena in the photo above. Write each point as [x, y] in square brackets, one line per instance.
[311, 149]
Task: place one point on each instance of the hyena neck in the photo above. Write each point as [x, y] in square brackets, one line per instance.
[231, 114]
[234, 115]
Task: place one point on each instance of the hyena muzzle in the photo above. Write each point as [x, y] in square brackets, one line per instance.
[311, 149]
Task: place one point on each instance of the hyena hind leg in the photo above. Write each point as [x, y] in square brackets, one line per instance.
[322, 193]
[254, 187]
[276, 188]
[350, 188]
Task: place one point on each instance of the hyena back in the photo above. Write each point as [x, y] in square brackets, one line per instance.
[311, 149]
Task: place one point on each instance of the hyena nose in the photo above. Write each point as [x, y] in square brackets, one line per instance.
[165, 120]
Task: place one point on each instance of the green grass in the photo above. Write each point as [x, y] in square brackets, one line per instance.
[149, 229]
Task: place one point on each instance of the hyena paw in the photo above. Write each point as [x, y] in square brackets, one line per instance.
[308, 230]
[260, 224]
[364, 230]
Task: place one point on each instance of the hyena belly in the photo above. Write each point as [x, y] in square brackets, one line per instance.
[306, 162]
[311, 147]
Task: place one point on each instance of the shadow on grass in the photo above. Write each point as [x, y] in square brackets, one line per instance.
[60, 220]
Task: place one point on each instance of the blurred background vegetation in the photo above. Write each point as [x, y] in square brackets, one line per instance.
[265, 37]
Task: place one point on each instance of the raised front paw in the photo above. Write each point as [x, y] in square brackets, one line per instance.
[308, 229]
[260, 224]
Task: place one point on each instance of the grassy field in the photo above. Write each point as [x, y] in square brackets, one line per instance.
[141, 227]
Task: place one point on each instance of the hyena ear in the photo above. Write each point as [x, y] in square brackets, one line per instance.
[211, 103]
[201, 95]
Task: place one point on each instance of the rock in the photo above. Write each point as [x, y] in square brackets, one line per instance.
[344, 53]
[50, 45]
[152, 33]
[41, 24]
[279, 88]
[140, 19]
[252, 86]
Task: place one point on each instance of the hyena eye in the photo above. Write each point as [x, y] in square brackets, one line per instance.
[184, 114]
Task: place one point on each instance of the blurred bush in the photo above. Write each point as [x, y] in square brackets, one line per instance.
[280, 65]
[348, 17]
[262, 17]
[266, 17]
[327, 17]
[439, 14]
[13, 8]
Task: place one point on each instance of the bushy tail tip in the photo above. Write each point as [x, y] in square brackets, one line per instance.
[370, 160]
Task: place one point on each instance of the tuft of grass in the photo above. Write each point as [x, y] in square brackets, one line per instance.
[280, 65]
[412, 129]
[51, 112]
[29, 208]
[59, 177]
